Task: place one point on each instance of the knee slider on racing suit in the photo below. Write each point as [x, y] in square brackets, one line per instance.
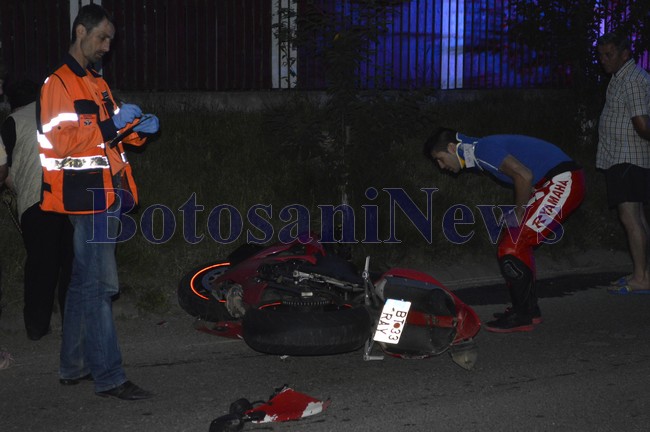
[519, 278]
[513, 269]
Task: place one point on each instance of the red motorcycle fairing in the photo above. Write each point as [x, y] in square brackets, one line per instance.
[469, 323]
[437, 319]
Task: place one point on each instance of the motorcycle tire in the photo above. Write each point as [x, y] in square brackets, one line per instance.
[194, 295]
[287, 331]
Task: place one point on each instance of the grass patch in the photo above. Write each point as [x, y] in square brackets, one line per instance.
[293, 155]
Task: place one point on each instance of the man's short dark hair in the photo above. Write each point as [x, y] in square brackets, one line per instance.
[89, 16]
[438, 141]
[619, 40]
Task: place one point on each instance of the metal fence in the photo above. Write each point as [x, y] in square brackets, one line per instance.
[33, 36]
[191, 45]
[229, 45]
[442, 44]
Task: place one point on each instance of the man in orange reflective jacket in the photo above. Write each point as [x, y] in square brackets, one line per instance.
[86, 175]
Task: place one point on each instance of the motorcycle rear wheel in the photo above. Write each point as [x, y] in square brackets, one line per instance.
[194, 292]
[287, 331]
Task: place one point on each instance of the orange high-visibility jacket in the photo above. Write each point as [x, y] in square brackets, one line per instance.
[74, 131]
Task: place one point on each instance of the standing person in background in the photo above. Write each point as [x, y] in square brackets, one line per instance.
[85, 175]
[47, 235]
[624, 153]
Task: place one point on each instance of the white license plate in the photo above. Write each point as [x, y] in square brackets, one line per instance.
[392, 321]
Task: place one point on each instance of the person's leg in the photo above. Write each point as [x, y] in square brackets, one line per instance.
[89, 341]
[66, 256]
[40, 236]
[517, 265]
[646, 228]
[72, 362]
[550, 205]
[94, 283]
[633, 219]
[628, 187]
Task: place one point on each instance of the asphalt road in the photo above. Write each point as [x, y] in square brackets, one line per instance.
[586, 368]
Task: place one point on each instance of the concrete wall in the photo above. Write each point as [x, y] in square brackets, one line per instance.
[254, 101]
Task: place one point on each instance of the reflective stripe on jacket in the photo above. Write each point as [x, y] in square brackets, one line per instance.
[74, 131]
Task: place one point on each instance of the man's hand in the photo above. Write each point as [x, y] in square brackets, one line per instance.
[642, 126]
[149, 124]
[522, 179]
[126, 114]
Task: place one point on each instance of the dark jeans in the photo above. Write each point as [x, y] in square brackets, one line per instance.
[89, 343]
[48, 242]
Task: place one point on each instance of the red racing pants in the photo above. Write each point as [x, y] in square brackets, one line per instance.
[551, 202]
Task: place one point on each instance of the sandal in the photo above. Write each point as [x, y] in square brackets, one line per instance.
[626, 290]
[622, 281]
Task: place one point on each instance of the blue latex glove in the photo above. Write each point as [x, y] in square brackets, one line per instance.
[126, 114]
[149, 124]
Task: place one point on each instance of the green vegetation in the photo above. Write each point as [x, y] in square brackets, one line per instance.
[283, 156]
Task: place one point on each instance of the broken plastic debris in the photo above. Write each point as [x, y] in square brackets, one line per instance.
[284, 405]
[227, 329]
[288, 404]
[5, 359]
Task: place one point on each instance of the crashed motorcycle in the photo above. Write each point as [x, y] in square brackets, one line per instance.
[302, 298]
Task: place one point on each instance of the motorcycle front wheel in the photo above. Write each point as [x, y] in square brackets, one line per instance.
[284, 330]
[195, 292]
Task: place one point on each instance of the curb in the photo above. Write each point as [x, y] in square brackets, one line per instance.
[486, 271]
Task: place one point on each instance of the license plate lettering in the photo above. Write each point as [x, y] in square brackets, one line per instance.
[391, 321]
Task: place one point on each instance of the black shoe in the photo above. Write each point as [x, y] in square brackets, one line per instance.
[536, 318]
[126, 391]
[75, 381]
[510, 324]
